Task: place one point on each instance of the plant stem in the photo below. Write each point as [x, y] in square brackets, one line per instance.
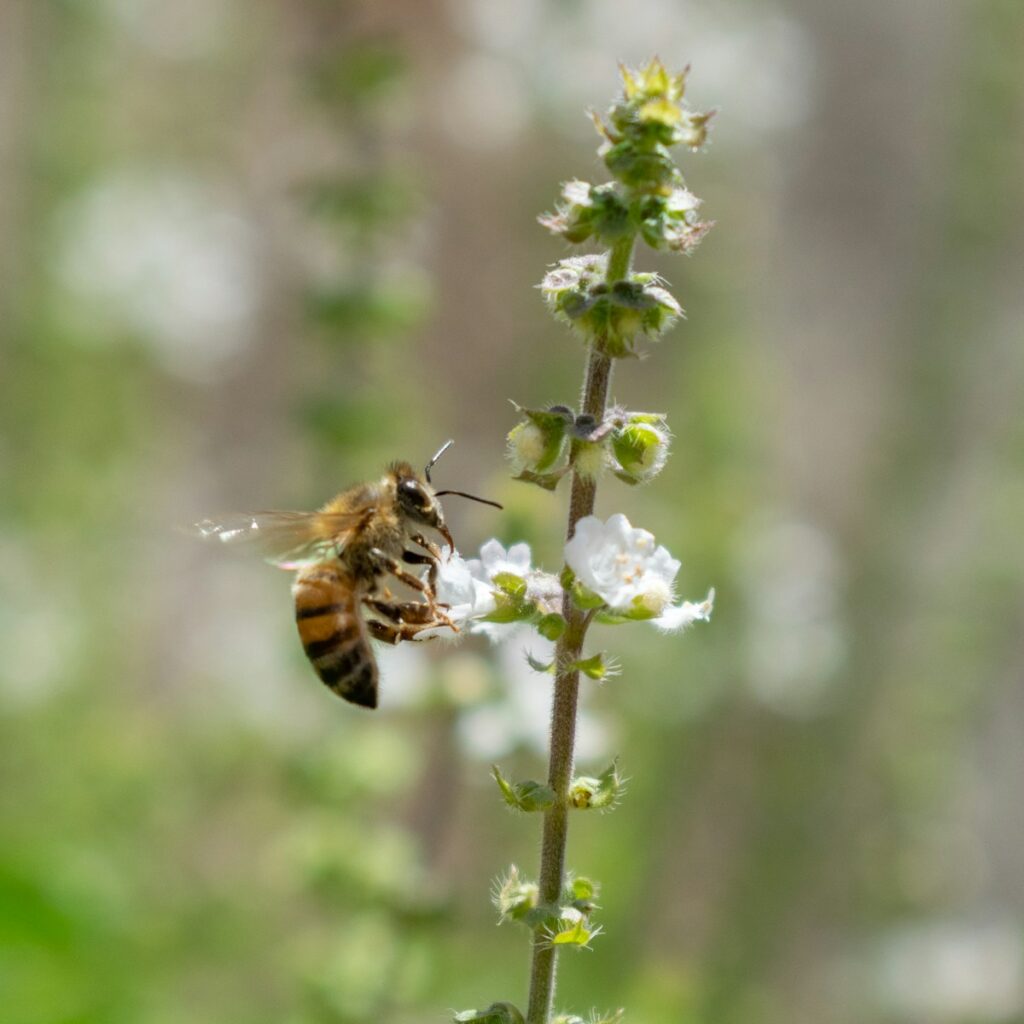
[567, 681]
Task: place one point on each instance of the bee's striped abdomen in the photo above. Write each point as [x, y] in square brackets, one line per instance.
[329, 616]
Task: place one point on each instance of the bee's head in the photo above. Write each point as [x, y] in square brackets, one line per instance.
[417, 500]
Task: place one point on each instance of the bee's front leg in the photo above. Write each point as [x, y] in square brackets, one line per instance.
[427, 545]
[391, 565]
[393, 634]
[417, 558]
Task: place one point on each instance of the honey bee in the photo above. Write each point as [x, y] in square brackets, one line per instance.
[343, 555]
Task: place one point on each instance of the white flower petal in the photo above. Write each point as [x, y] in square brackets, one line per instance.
[683, 615]
[467, 596]
[495, 559]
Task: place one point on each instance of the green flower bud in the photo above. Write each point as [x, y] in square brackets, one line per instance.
[587, 211]
[538, 443]
[670, 221]
[514, 897]
[640, 446]
[526, 444]
[599, 793]
[580, 893]
[640, 168]
[597, 667]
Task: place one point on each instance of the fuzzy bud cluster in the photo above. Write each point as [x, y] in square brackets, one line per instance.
[546, 443]
[566, 923]
[648, 198]
[614, 314]
[667, 219]
[651, 115]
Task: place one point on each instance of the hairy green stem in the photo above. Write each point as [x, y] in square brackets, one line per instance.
[567, 683]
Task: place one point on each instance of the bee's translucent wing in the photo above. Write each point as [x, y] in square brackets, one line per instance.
[288, 540]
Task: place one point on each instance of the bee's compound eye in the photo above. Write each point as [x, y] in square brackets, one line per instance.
[413, 491]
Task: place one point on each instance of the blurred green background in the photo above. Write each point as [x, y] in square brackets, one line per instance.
[253, 250]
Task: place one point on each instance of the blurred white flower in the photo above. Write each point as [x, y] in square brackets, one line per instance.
[165, 256]
[950, 971]
[41, 628]
[793, 575]
[183, 30]
[519, 717]
[624, 566]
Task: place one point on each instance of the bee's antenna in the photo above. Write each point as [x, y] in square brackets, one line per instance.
[472, 497]
[440, 451]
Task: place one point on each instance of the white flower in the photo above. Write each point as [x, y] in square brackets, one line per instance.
[468, 587]
[467, 595]
[630, 572]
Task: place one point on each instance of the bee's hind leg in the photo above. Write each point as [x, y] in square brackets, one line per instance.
[411, 612]
[393, 633]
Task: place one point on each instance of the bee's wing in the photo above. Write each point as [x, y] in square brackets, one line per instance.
[288, 540]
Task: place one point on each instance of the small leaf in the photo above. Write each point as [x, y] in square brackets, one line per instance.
[551, 626]
[524, 796]
[594, 668]
[503, 784]
[539, 666]
[575, 934]
[584, 598]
